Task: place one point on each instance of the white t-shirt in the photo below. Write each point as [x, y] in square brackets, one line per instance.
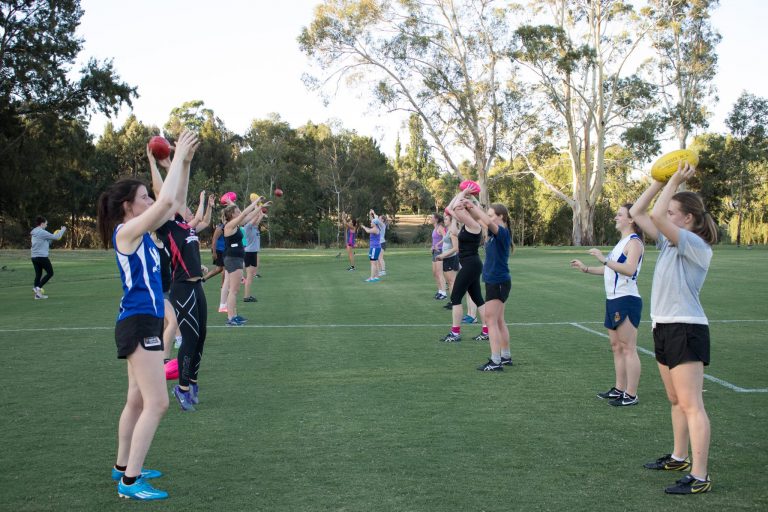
[677, 280]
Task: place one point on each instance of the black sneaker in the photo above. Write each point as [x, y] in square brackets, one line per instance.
[667, 463]
[690, 485]
[490, 366]
[624, 401]
[481, 337]
[448, 306]
[440, 296]
[506, 361]
[451, 337]
[611, 394]
[250, 299]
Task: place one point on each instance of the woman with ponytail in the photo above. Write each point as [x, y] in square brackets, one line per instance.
[126, 216]
[684, 233]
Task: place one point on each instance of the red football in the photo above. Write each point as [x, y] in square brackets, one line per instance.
[279, 192]
[263, 209]
[160, 147]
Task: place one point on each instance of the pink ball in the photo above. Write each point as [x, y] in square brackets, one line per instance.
[475, 187]
[172, 369]
[228, 197]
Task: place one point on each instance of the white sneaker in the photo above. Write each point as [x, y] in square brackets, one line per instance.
[39, 293]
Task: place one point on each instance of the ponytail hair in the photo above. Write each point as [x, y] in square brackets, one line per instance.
[635, 226]
[502, 211]
[109, 208]
[439, 218]
[703, 223]
[228, 213]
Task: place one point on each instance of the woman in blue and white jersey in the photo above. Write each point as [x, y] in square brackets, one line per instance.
[126, 215]
[684, 232]
[623, 305]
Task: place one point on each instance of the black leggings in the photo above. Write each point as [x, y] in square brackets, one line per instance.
[188, 300]
[42, 263]
[468, 281]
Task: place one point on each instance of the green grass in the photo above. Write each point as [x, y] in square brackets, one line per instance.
[308, 409]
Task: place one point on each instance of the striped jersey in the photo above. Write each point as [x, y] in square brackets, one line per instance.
[140, 274]
[618, 285]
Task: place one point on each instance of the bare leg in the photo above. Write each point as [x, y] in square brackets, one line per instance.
[170, 329]
[688, 381]
[618, 361]
[249, 273]
[627, 338]
[679, 421]
[233, 279]
[224, 288]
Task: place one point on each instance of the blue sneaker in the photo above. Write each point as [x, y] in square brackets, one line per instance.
[234, 322]
[469, 320]
[145, 474]
[372, 280]
[240, 319]
[140, 490]
[192, 395]
[185, 401]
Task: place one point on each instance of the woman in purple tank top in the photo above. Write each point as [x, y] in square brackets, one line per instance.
[438, 232]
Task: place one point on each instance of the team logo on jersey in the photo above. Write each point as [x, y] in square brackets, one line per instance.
[192, 237]
[156, 257]
[617, 317]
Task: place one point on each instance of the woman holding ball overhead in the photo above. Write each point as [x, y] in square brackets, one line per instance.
[684, 232]
[623, 305]
[126, 215]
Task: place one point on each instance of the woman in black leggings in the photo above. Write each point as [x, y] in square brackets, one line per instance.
[468, 278]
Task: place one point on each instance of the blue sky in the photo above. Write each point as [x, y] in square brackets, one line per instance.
[241, 57]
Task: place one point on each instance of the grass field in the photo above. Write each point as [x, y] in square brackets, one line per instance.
[338, 397]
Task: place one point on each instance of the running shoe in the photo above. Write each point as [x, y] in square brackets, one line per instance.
[506, 361]
[372, 280]
[469, 320]
[240, 319]
[667, 463]
[350, 268]
[451, 337]
[611, 394]
[624, 401]
[481, 337]
[193, 393]
[441, 296]
[250, 298]
[140, 490]
[490, 366]
[448, 306]
[690, 485]
[145, 474]
[185, 401]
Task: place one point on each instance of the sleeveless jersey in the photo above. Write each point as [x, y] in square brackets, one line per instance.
[140, 275]
[469, 244]
[234, 247]
[618, 285]
[437, 241]
[447, 242]
[185, 249]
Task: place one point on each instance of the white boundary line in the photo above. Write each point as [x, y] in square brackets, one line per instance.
[722, 382]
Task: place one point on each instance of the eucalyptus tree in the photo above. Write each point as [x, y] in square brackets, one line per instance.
[443, 60]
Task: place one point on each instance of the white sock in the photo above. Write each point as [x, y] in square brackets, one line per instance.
[506, 354]
[496, 358]
[678, 459]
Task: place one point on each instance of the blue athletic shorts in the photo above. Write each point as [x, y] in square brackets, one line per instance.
[617, 310]
[373, 253]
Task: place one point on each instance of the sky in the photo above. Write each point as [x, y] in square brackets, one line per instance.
[242, 59]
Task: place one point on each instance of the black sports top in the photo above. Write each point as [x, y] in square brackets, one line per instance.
[184, 247]
[469, 243]
[234, 245]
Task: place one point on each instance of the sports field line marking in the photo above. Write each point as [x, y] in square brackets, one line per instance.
[353, 326]
[722, 382]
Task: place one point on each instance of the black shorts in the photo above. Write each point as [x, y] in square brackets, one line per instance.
[146, 330]
[680, 343]
[451, 263]
[251, 259]
[497, 291]
[617, 310]
[383, 246]
[218, 260]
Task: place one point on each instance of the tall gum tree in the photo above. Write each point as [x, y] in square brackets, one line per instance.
[440, 59]
[582, 67]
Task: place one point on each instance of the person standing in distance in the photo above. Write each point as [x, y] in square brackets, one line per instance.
[41, 242]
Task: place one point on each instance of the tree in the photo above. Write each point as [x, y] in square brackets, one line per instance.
[580, 64]
[684, 40]
[748, 122]
[442, 60]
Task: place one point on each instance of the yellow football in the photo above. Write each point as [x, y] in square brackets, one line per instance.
[666, 165]
[254, 196]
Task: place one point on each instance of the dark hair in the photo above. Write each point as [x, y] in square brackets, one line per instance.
[39, 220]
[439, 218]
[703, 223]
[638, 230]
[109, 208]
[501, 210]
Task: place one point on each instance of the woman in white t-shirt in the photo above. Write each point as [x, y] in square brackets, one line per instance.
[684, 233]
[623, 305]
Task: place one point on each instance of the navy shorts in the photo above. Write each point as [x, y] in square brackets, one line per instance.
[218, 260]
[681, 343]
[617, 310]
[144, 330]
